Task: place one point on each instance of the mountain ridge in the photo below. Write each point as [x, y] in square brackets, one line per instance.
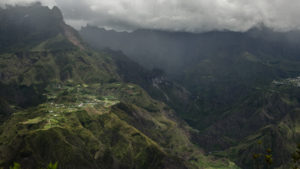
[65, 102]
[229, 76]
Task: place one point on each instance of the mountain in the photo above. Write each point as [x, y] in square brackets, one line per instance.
[218, 68]
[62, 101]
[156, 82]
[270, 116]
[172, 51]
[238, 84]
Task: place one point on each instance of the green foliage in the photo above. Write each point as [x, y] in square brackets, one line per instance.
[15, 166]
[268, 159]
[100, 123]
[296, 158]
[263, 159]
[18, 166]
[52, 166]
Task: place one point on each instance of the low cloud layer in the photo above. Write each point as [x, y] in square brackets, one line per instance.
[179, 15]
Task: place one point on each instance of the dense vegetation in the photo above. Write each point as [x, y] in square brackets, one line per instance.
[61, 101]
[240, 86]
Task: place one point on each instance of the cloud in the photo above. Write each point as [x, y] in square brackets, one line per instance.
[180, 15]
[50, 3]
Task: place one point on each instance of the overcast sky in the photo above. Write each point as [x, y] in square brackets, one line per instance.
[178, 15]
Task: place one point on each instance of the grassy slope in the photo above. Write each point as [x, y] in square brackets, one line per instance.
[277, 127]
[87, 117]
[229, 76]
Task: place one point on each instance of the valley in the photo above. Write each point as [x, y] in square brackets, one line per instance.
[146, 99]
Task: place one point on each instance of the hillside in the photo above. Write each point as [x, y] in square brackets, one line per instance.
[62, 101]
[230, 77]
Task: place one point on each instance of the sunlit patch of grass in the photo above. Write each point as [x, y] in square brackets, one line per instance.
[33, 121]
